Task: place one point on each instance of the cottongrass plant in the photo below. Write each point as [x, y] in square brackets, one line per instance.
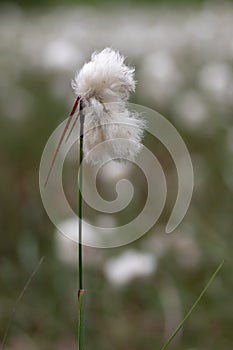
[103, 87]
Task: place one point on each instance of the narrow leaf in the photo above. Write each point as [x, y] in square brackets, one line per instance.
[18, 301]
[193, 306]
[75, 121]
[62, 137]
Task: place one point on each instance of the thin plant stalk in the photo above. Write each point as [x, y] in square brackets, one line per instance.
[80, 257]
[193, 306]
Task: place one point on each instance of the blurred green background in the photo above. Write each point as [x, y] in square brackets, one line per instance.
[137, 294]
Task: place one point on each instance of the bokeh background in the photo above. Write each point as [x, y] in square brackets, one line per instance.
[137, 294]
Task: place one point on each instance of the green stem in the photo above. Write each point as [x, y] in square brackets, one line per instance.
[80, 259]
[81, 319]
[193, 306]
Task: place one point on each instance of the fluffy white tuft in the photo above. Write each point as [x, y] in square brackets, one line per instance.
[105, 77]
[104, 84]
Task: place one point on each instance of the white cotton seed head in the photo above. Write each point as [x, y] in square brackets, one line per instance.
[118, 137]
[105, 77]
[111, 131]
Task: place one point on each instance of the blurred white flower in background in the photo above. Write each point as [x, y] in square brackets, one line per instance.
[216, 79]
[187, 252]
[113, 171]
[161, 76]
[66, 248]
[190, 110]
[61, 54]
[182, 244]
[130, 264]
[104, 220]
